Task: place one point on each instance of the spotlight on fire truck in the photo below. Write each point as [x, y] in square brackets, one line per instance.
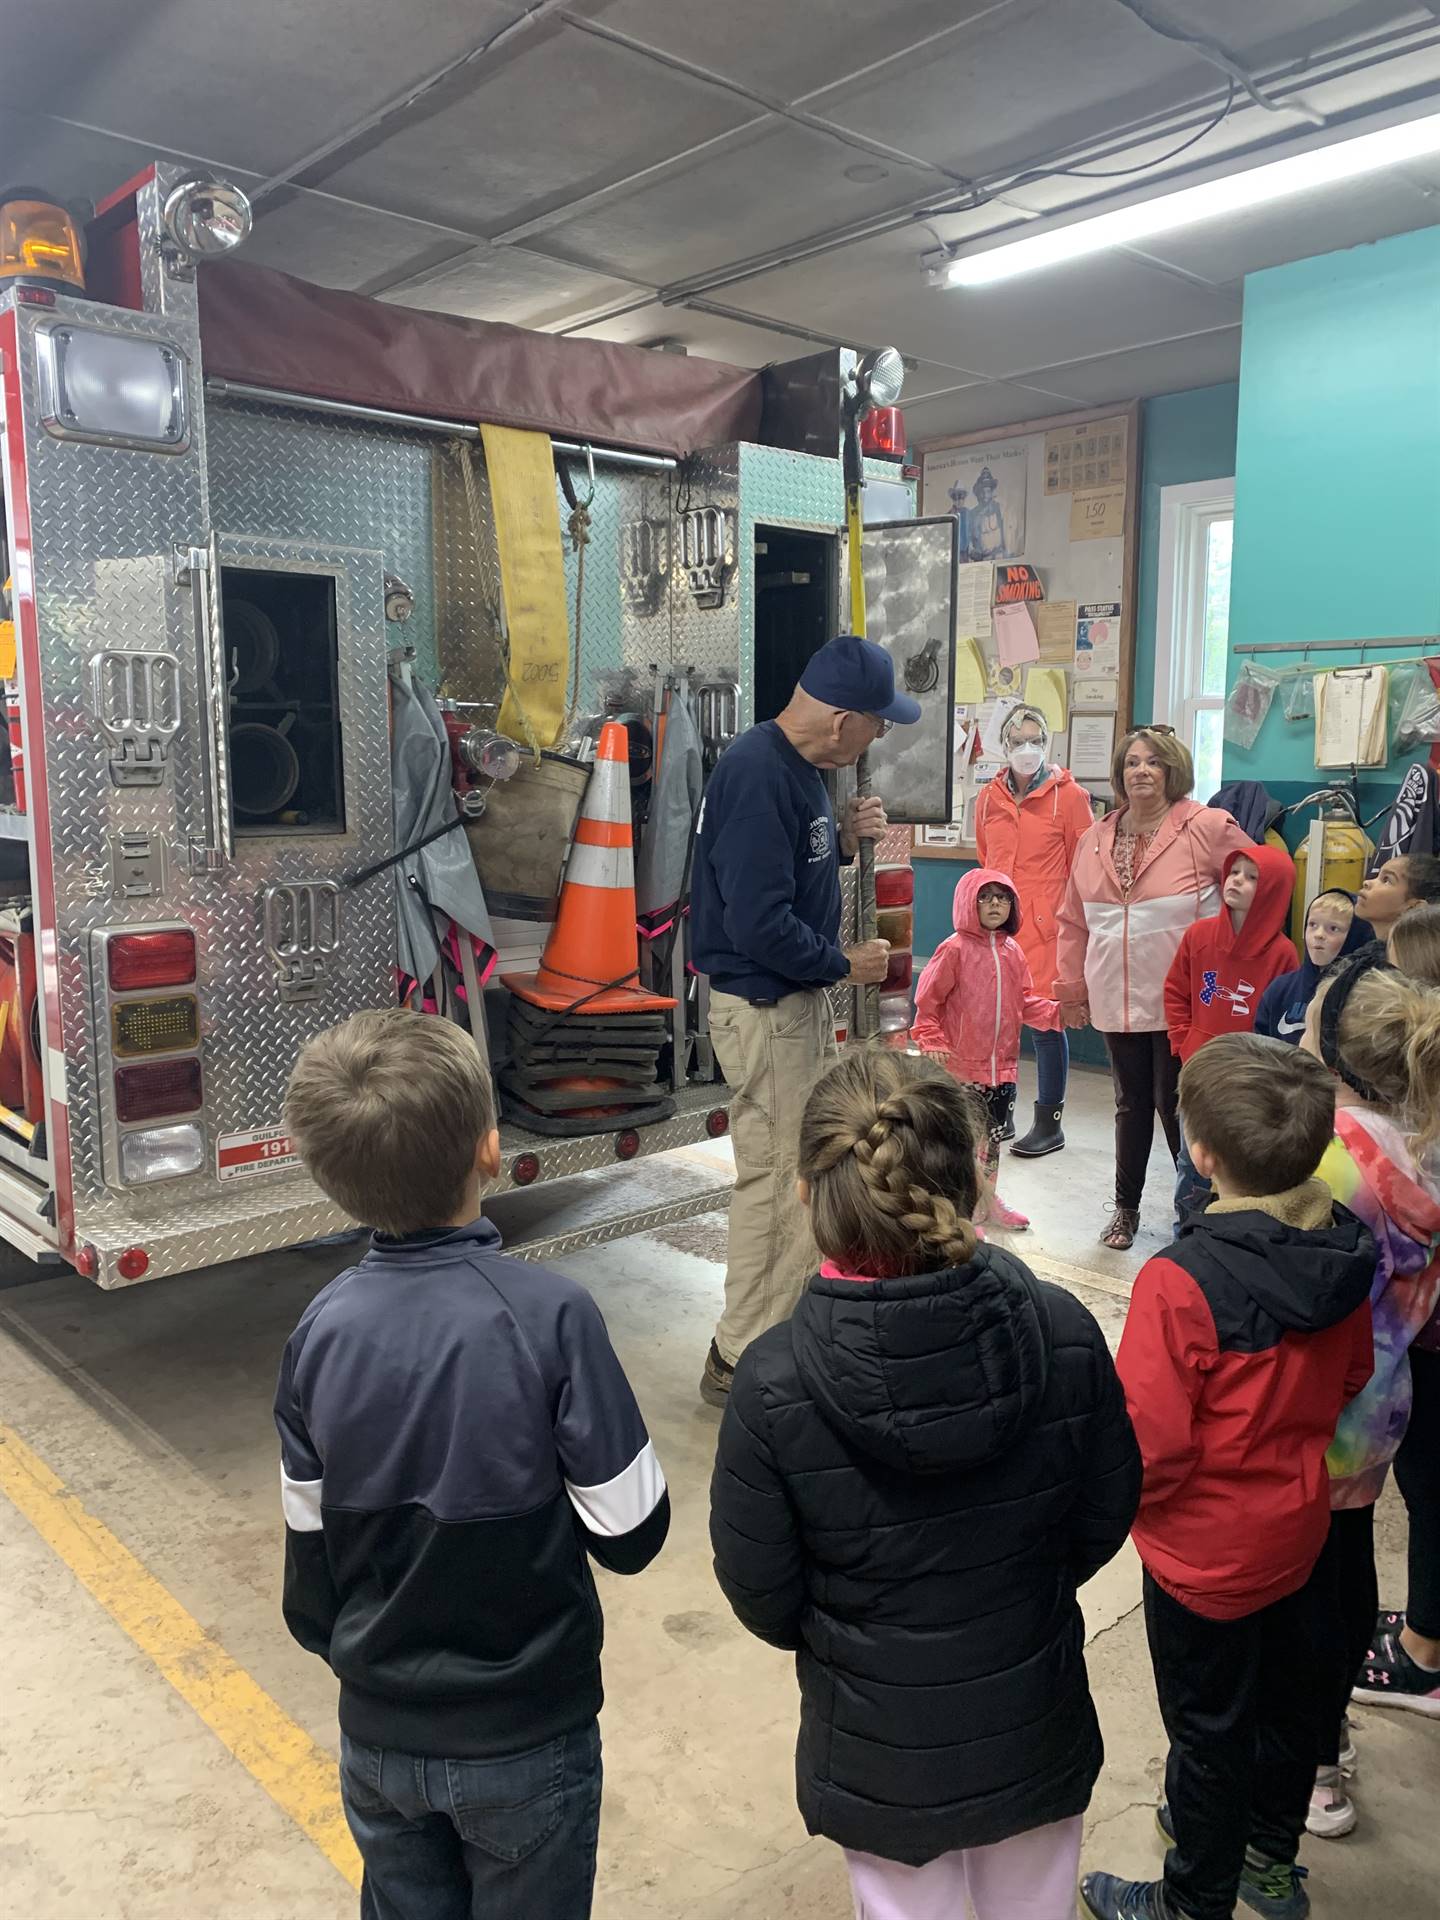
[40, 243]
[876, 382]
[205, 219]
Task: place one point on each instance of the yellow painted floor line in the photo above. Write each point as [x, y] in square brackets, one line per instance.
[1047, 1267]
[296, 1772]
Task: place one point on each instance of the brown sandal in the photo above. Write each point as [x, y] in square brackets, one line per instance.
[1123, 1227]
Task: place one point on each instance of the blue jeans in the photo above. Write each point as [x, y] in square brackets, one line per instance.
[1052, 1066]
[506, 1839]
[1192, 1190]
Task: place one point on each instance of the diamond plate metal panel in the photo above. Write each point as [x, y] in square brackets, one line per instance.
[332, 483]
[106, 523]
[909, 568]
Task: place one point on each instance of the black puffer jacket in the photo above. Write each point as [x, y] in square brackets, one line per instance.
[913, 1478]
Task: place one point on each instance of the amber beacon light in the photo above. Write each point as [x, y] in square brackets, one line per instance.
[39, 242]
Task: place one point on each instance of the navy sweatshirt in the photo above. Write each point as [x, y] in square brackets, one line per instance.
[765, 880]
[457, 1441]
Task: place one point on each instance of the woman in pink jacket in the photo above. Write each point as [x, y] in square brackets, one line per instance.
[970, 1003]
[1141, 876]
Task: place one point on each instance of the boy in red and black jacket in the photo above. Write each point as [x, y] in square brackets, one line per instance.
[1222, 967]
[1243, 1343]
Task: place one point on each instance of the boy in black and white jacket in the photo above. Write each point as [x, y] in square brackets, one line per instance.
[458, 1439]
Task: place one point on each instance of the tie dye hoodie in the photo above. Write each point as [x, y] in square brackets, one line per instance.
[1369, 1168]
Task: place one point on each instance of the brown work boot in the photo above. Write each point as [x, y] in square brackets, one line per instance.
[716, 1379]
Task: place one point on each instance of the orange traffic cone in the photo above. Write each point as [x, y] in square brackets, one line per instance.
[591, 962]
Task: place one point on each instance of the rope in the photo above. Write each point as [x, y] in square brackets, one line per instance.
[578, 527]
[472, 502]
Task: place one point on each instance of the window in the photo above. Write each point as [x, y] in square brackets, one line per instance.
[1192, 623]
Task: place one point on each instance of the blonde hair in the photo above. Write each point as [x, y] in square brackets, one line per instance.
[386, 1110]
[1172, 753]
[1414, 944]
[1389, 1036]
[888, 1146]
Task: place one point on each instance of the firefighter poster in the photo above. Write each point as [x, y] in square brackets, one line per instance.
[984, 487]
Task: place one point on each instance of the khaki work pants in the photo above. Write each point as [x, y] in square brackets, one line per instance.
[771, 1058]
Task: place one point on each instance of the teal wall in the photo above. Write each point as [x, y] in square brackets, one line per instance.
[1184, 437]
[1337, 506]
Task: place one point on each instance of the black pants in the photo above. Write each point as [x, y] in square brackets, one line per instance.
[1146, 1076]
[1417, 1474]
[1239, 1703]
[1349, 1557]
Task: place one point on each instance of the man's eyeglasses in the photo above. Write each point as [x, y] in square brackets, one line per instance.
[882, 727]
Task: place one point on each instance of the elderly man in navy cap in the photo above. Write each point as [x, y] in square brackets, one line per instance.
[765, 921]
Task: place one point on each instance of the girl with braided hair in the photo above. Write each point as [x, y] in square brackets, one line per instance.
[914, 1477]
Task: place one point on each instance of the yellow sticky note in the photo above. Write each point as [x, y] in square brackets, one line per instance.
[1045, 691]
[969, 674]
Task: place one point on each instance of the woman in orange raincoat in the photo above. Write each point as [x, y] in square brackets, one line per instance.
[1028, 822]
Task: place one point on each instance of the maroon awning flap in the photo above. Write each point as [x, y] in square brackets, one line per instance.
[269, 329]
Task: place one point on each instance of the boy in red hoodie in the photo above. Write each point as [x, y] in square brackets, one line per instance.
[1223, 966]
[1243, 1343]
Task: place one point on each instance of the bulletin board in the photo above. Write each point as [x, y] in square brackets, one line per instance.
[1053, 506]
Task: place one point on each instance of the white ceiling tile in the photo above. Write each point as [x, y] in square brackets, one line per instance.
[1324, 222]
[1023, 79]
[764, 189]
[787, 50]
[336, 244]
[501, 283]
[709, 336]
[992, 404]
[554, 116]
[252, 87]
[1002, 332]
[1201, 360]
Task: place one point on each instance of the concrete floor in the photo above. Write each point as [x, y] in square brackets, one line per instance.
[153, 1407]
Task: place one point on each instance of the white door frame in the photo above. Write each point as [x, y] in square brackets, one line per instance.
[1186, 511]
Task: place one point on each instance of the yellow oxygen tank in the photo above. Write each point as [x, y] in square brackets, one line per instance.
[1339, 849]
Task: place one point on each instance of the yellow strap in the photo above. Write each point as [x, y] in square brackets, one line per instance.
[532, 574]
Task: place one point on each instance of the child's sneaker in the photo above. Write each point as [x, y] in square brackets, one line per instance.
[1274, 1888]
[1332, 1811]
[997, 1214]
[1390, 1678]
[1104, 1896]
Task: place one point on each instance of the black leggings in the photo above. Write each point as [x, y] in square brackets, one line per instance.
[1146, 1076]
[1417, 1474]
[1350, 1555]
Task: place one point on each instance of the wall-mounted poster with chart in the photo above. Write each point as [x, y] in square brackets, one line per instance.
[1046, 514]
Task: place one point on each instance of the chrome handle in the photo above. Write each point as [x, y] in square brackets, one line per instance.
[198, 564]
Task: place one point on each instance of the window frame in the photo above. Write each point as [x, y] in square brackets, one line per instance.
[1187, 512]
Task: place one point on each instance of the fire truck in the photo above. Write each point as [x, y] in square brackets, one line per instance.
[242, 516]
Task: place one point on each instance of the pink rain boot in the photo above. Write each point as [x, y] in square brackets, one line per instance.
[999, 1215]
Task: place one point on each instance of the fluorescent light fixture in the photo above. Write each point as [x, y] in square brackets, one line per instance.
[1188, 206]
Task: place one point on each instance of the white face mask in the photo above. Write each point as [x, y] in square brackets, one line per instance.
[1027, 759]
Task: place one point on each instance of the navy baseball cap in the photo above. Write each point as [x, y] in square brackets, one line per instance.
[860, 677]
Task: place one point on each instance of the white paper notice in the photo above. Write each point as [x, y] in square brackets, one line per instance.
[974, 590]
[1092, 745]
[1092, 692]
[1097, 638]
[993, 717]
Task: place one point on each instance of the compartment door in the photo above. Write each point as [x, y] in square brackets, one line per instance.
[301, 793]
[910, 610]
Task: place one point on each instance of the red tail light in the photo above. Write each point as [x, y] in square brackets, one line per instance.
[883, 433]
[133, 1264]
[717, 1123]
[627, 1144]
[899, 972]
[160, 959]
[894, 886]
[525, 1169]
[157, 1090]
